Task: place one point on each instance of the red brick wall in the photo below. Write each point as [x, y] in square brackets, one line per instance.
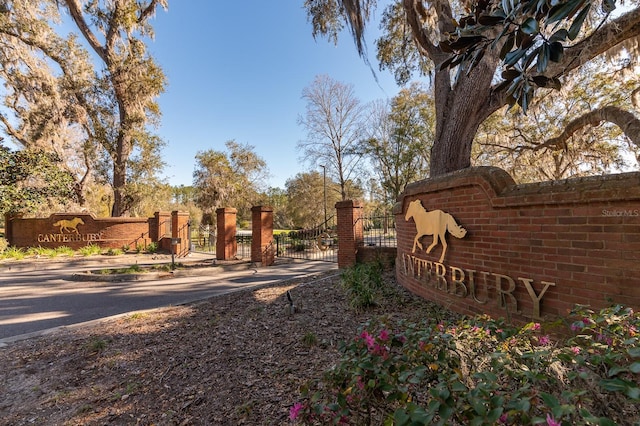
[579, 239]
[113, 232]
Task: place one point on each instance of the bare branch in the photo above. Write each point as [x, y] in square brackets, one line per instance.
[628, 122]
[76, 13]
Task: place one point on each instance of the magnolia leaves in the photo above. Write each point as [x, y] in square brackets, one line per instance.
[530, 34]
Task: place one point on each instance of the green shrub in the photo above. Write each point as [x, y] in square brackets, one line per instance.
[65, 251]
[125, 248]
[479, 372]
[90, 250]
[152, 247]
[14, 253]
[363, 285]
[113, 252]
[139, 248]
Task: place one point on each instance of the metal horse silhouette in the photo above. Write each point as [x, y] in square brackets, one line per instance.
[434, 222]
[69, 225]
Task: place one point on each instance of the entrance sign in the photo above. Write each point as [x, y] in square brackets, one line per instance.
[523, 252]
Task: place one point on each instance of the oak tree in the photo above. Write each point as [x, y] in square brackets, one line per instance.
[483, 55]
[229, 179]
[58, 98]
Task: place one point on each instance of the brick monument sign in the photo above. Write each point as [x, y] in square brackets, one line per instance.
[476, 242]
[77, 230]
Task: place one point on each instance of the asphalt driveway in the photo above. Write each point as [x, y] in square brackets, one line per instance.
[36, 297]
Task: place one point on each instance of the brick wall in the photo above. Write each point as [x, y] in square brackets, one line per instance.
[530, 251]
[76, 230]
[83, 229]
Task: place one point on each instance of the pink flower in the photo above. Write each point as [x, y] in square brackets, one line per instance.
[551, 421]
[575, 350]
[503, 418]
[369, 339]
[294, 411]
[535, 326]
[384, 335]
[544, 340]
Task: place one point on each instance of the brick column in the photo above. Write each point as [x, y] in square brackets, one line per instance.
[226, 245]
[262, 247]
[179, 229]
[350, 231]
[8, 228]
[158, 229]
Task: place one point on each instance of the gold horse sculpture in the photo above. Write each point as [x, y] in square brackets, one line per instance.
[434, 222]
[69, 225]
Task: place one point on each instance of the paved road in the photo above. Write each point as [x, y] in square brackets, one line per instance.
[35, 297]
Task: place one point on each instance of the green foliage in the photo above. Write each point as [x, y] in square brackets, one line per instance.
[139, 248]
[480, 371]
[14, 253]
[228, 178]
[64, 251]
[96, 344]
[3, 245]
[114, 252]
[363, 284]
[530, 34]
[400, 137]
[152, 247]
[31, 178]
[310, 339]
[90, 250]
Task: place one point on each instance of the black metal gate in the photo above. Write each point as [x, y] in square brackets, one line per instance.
[319, 243]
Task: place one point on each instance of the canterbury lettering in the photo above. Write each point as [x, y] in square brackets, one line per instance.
[469, 283]
[67, 238]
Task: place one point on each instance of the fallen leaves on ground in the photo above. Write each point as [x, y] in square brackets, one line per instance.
[234, 359]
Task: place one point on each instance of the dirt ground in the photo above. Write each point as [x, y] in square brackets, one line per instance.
[234, 359]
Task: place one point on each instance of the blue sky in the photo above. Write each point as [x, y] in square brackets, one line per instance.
[244, 81]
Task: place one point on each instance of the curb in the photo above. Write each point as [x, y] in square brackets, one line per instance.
[154, 276]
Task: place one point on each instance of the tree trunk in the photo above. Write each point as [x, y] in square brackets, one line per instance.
[461, 108]
[120, 174]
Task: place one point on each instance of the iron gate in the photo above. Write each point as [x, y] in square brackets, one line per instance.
[319, 243]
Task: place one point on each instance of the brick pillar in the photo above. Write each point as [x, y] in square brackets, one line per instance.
[158, 230]
[226, 245]
[262, 248]
[8, 228]
[180, 229]
[350, 231]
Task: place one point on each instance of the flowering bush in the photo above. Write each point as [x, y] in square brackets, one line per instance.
[481, 371]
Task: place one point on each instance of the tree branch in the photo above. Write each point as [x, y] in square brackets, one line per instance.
[76, 13]
[627, 122]
[414, 11]
[606, 37]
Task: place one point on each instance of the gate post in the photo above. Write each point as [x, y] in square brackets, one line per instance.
[226, 245]
[178, 221]
[262, 249]
[157, 228]
[8, 228]
[350, 231]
